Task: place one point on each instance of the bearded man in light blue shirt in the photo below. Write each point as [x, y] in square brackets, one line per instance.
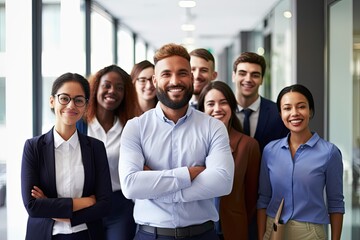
[174, 160]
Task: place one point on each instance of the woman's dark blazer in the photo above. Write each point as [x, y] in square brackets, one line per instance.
[38, 169]
[239, 207]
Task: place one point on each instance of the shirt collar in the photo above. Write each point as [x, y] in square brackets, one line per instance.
[192, 102]
[255, 106]
[95, 124]
[58, 140]
[311, 142]
[160, 113]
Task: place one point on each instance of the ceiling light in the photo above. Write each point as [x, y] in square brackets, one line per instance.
[188, 27]
[287, 14]
[189, 40]
[261, 51]
[187, 4]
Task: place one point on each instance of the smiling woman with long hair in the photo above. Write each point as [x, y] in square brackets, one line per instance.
[239, 207]
[112, 104]
[141, 76]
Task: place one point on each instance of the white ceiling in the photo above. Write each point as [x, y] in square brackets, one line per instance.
[217, 22]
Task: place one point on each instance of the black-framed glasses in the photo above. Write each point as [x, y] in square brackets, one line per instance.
[143, 80]
[64, 99]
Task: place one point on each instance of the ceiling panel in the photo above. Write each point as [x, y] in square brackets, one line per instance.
[217, 22]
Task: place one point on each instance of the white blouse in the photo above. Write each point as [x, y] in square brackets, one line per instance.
[70, 176]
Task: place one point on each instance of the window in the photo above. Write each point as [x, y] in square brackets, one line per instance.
[63, 40]
[125, 49]
[101, 40]
[344, 95]
[140, 50]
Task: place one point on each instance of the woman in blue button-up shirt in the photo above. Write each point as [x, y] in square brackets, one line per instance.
[305, 170]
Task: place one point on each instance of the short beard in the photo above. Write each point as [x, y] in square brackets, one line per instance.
[164, 98]
[197, 93]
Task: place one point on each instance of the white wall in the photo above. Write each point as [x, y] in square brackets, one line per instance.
[18, 107]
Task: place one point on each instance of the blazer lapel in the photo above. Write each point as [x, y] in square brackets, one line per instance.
[86, 154]
[49, 161]
[263, 119]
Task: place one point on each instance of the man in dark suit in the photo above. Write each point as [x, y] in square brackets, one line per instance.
[265, 123]
[259, 116]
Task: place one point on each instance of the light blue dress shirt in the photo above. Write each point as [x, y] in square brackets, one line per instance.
[166, 196]
[311, 183]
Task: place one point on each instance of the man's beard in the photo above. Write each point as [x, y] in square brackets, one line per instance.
[198, 89]
[164, 98]
[197, 92]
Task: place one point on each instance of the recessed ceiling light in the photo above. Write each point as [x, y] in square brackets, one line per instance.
[187, 4]
[188, 27]
[189, 40]
[287, 14]
[261, 51]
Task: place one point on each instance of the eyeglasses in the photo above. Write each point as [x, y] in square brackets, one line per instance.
[64, 99]
[143, 80]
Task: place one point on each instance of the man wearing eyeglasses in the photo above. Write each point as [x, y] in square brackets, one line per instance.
[174, 160]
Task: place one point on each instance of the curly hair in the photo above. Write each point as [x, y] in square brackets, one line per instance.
[128, 107]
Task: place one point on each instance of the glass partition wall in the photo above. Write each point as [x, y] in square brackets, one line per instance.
[3, 211]
[58, 29]
[63, 47]
[343, 102]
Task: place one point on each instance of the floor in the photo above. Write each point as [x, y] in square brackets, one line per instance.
[351, 225]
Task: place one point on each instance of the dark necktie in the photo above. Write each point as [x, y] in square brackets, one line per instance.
[247, 112]
[194, 105]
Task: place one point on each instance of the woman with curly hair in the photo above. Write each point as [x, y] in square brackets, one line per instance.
[112, 103]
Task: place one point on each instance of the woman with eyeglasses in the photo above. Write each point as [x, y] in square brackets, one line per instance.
[112, 103]
[141, 76]
[65, 178]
